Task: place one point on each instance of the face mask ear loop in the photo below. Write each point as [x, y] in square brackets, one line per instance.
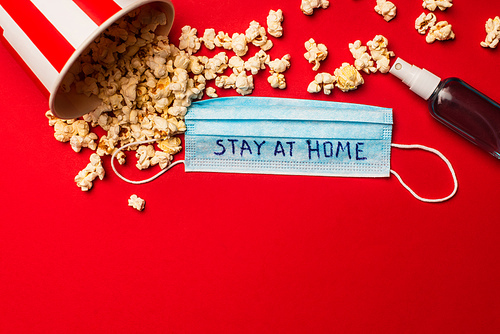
[141, 181]
[450, 167]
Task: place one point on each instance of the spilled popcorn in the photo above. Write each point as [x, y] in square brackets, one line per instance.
[315, 53]
[425, 22]
[380, 53]
[348, 77]
[492, 27]
[386, 9]
[433, 4]
[136, 202]
[86, 176]
[441, 31]
[145, 85]
[308, 6]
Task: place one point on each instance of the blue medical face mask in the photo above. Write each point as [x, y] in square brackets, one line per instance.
[261, 135]
[288, 136]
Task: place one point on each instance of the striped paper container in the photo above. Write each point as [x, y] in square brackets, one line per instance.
[49, 35]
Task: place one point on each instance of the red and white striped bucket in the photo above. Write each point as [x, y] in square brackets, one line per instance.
[49, 35]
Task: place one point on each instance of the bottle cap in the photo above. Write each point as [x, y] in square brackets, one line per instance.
[420, 81]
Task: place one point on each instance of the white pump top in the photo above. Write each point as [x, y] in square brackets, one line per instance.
[420, 81]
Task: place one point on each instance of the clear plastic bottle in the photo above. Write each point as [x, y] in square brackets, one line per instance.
[456, 104]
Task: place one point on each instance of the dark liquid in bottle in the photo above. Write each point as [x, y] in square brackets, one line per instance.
[469, 113]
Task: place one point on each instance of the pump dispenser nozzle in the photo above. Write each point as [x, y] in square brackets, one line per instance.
[420, 81]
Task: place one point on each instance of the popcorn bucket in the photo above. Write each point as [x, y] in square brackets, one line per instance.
[49, 36]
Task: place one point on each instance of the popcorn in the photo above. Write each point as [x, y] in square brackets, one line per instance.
[277, 80]
[78, 142]
[189, 40]
[379, 52]
[279, 65]
[363, 61]
[492, 27]
[324, 81]
[215, 65]
[145, 85]
[144, 155]
[348, 77]
[161, 159]
[307, 6]
[63, 131]
[257, 62]
[239, 44]
[386, 8]
[244, 84]
[274, 20]
[225, 81]
[425, 22]
[237, 64]
[136, 202]
[433, 4]
[315, 53]
[256, 34]
[86, 176]
[170, 145]
[211, 92]
[442, 31]
[208, 38]
[222, 40]
[197, 64]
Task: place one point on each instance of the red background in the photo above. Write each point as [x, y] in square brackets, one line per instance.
[235, 253]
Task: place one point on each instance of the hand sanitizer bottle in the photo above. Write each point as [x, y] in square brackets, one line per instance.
[456, 104]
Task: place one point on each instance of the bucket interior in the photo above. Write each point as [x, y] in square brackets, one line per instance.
[71, 104]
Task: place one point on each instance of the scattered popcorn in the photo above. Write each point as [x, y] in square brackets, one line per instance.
[144, 155]
[324, 81]
[348, 77]
[274, 20]
[244, 84]
[79, 142]
[256, 34]
[189, 41]
[257, 62]
[239, 44]
[162, 159]
[197, 64]
[279, 65]
[308, 6]
[225, 81]
[425, 22]
[94, 169]
[136, 202]
[380, 54]
[433, 4]
[215, 65]
[277, 80]
[222, 40]
[365, 64]
[77, 132]
[386, 8]
[237, 64]
[492, 27]
[363, 61]
[146, 85]
[211, 92]
[170, 145]
[208, 39]
[441, 31]
[315, 53]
